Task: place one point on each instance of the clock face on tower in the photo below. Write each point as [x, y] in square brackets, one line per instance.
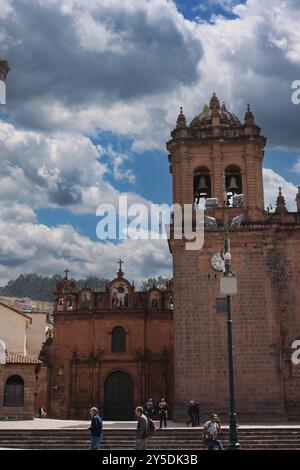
[217, 262]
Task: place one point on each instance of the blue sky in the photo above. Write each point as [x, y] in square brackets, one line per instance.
[94, 91]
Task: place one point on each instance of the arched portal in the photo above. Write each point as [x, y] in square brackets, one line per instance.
[118, 397]
[14, 391]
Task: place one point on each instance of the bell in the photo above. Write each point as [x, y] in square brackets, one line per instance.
[202, 186]
[233, 184]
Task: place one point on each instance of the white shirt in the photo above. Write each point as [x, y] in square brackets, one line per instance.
[211, 428]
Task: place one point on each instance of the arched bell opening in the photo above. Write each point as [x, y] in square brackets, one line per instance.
[234, 186]
[202, 184]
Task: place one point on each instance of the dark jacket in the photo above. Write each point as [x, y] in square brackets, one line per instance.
[149, 410]
[96, 426]
[142, 430]
[192, 410]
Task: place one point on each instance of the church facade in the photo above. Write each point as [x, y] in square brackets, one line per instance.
[218, 159]
[110, 349]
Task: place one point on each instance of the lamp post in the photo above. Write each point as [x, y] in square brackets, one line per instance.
[4, 69]
[228, 286]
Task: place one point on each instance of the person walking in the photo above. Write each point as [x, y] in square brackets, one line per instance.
[163, 410]
[192, 413]
[96, 429]
[211, 430]
[142, 430]
[197, 412]
[149, 409]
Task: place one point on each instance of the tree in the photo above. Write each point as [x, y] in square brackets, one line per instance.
[43, 287]
[159, 282]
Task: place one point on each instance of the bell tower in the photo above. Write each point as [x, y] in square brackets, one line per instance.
[215, 153]
[215, 144]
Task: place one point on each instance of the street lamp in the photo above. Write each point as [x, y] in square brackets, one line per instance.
[4, 69]
[228, 286]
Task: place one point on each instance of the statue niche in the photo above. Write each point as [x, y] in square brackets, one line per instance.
[154, 299]
[119, 295]
[85, 300]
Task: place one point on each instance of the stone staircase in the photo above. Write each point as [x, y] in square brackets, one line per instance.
[166, 439]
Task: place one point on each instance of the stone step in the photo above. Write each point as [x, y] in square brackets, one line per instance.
[158, 433]
[124, 439]
[156, 437]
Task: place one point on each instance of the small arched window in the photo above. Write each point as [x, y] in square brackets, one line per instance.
[118, 340]
[14, 391]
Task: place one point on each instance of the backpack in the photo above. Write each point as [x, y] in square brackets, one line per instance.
[151, 427]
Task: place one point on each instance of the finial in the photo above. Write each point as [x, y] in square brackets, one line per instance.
[181, 121]
[249, 117]
[280, 203]
[214, 102]
[298, 199]
[66, 271]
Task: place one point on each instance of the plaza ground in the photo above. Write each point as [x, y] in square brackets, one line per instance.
[38, 423]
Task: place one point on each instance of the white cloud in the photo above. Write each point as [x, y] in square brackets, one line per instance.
[28, 247]
[132, 64]
[94, 55]
[273, 181]
[297, 166]
[63, 170]
[17, 213]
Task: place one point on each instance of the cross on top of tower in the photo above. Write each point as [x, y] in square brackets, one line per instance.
[120, 272]
[120, 262]
[66, 271]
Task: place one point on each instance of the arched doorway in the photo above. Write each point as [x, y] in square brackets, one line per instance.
[118, 397]
[14, 391]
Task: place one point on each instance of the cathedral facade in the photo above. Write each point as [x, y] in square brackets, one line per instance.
[110, 349]
[218, 159]
[115, 349]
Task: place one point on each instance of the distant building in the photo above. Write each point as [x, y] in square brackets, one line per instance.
[23, 304]
[21, 339]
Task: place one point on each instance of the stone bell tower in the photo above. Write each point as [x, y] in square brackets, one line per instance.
[217, 151]
[216, 143]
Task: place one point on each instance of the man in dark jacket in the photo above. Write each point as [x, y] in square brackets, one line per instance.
[192, 413]
[149, 409]
[96, 429]
[142, 430]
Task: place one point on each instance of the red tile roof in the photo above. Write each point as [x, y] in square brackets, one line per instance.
[15, 358]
